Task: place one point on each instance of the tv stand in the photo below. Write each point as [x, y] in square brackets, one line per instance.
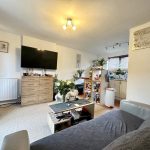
[36, 89]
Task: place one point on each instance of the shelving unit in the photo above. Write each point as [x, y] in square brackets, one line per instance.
[96, 84]
[87, 88]
[94, 88]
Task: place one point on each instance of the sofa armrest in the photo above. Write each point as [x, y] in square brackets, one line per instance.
[16, 141]
[138, 109]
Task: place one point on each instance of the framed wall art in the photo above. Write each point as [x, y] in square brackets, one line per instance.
[141, 39]
[4, 46]
[78, 60]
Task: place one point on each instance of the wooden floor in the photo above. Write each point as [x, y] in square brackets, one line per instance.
[101, 109]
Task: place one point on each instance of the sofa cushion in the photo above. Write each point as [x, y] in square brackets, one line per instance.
[135, 140]
[138, 109]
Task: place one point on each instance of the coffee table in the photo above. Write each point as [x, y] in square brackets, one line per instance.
[56, 124]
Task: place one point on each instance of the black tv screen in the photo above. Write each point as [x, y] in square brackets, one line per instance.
[33, 58]
[49, 60]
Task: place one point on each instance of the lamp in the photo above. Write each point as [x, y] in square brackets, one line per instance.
[70, 24]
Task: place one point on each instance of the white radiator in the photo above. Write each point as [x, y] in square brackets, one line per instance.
[8, 89]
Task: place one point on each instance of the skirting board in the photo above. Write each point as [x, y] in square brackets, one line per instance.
[9, 102]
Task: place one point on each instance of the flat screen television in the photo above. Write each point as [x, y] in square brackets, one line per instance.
[33, 58]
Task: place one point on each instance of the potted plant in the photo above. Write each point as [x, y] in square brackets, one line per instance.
[63, 87]
[75, 77]
[80, 72]
[119, 72]
[99, 63]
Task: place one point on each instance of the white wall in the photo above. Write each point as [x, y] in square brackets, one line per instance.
[10, 62]
[138, 87]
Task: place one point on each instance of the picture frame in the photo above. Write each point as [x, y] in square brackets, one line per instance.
[4, 46]
[78, 60]
[141, 39]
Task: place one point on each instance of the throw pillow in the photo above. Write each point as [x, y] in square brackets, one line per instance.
[135, 140]
[145, 124]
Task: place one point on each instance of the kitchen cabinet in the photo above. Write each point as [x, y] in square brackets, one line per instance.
[120, 86]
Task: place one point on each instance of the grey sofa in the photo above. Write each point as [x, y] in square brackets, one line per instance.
[95, 134]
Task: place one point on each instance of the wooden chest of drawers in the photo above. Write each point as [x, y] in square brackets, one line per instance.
[36, 90]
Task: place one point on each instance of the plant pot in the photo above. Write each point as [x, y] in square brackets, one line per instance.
[101, 67]
[59, 97]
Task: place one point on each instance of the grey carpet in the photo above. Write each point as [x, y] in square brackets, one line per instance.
[32, 118]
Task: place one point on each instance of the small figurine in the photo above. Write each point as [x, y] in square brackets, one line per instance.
[97, 98]
[97, 77]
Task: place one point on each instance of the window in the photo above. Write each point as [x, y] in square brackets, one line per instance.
[113, 63]
[118, 62]
[124, 63]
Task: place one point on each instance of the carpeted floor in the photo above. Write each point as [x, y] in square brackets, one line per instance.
[32, 118]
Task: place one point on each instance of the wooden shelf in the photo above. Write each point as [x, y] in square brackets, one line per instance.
[100, 84]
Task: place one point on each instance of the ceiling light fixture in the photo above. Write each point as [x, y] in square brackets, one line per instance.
[69, 24]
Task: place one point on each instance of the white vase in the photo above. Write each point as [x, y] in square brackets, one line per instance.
[59, 97]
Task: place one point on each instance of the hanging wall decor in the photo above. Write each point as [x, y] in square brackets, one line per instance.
[4, 46]
[78, 60]
[141, 39]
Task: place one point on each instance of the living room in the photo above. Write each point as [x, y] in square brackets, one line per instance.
[98, 55]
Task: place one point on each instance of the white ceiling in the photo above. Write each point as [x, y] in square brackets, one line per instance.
[99, 22]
